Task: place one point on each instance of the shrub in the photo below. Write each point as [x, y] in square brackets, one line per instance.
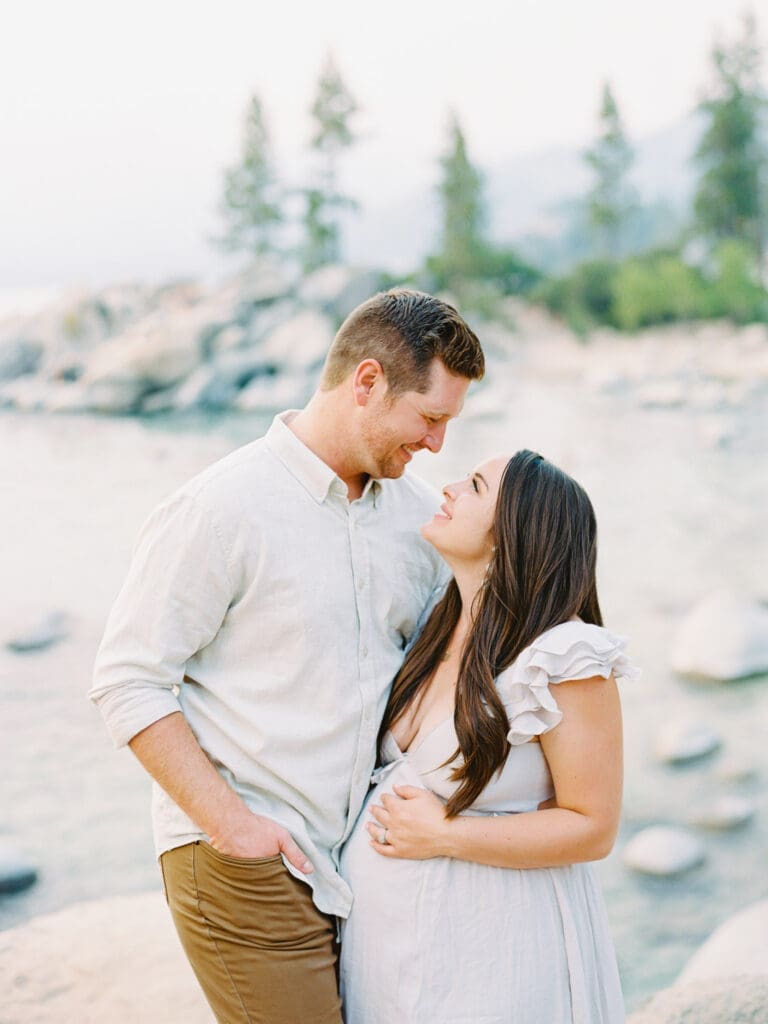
[584, 297]
[657, 289]
[736, 291]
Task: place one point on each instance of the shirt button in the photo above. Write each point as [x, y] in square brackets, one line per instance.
[365, 652]
[361, 585]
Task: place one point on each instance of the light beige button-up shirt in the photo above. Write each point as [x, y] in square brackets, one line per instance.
[273, 613]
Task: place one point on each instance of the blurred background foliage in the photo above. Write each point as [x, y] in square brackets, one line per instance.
[618, 262]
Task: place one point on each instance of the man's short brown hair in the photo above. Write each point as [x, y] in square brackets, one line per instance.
[404, 330]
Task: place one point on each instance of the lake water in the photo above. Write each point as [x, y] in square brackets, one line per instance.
[678, 517]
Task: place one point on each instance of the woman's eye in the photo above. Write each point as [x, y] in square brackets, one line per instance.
[474, 484]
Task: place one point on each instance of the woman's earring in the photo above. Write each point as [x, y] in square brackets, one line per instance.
[487, 575]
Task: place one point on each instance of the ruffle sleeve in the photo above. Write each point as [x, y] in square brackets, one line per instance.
[572, 650]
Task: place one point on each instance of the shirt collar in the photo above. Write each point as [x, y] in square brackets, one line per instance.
[309, 469]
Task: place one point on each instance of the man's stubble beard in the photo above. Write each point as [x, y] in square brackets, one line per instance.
[383, 455]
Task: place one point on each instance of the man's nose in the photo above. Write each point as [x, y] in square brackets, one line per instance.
[434, 437]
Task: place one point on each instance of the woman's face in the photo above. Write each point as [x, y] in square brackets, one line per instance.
[461, 530]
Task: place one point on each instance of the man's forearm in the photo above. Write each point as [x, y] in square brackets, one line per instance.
[169, 751]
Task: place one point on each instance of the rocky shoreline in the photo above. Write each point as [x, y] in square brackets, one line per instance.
[255, 343]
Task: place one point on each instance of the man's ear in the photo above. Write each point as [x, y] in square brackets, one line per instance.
[368, 376]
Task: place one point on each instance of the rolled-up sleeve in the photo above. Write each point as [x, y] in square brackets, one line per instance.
[172, 604]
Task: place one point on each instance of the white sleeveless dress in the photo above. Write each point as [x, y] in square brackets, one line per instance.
[446, 941]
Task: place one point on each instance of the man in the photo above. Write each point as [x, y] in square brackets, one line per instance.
[248, 657]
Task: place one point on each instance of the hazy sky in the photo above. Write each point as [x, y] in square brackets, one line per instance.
[117, 120]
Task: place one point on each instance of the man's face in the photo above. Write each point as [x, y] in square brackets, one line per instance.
[393, 431]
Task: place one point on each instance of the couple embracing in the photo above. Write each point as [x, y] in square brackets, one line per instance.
[371, 720]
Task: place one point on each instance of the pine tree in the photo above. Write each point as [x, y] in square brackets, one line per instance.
[731, 201]
[611, 201]
[251, 202]
[462, 249]
[332, 111]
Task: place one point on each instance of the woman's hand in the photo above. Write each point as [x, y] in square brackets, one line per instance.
[415, 824]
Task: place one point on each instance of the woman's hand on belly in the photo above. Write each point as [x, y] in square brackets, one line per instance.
[412, 820]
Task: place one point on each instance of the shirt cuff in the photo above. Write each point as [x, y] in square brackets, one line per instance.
[130, 708]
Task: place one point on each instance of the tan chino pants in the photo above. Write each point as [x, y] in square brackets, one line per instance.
[261, 950]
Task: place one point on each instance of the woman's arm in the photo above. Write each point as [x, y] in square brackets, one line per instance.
[584, 753]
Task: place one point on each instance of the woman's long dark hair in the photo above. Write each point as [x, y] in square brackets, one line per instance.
[542, 573]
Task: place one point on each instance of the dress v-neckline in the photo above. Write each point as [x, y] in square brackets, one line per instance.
[413, 750]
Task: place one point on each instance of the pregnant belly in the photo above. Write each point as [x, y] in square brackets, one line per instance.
[370, 875]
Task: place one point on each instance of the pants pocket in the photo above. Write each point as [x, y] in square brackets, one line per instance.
[253, 899]
[224, 858]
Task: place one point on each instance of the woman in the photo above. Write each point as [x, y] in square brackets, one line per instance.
[474, 901]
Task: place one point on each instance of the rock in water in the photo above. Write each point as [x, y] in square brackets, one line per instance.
[45, 634]
[270, 394]
[154, 353]
[724, 982]
[724, 637]
[323, 286]
[361, 286]
[718, 431]
[338, 289]
[300, 343]
[15, 873]
[663, 850]
[735, 769]
[738, 999]
[662, 394]
[738, 946]
[215, 385]
[19, 356]
[680, 740]
[725, 812]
